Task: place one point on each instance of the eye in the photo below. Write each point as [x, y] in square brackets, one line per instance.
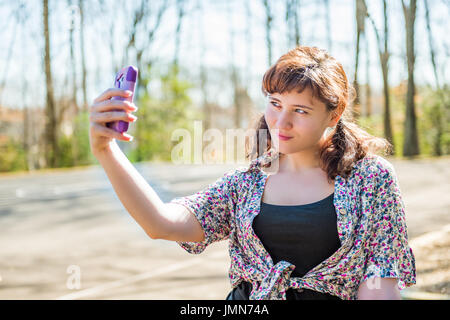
[277, 106]
[303, 111]
[274, 104]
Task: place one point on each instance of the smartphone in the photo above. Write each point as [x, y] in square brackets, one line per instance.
[125, 79]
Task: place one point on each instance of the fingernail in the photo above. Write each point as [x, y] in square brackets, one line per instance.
[128, 92]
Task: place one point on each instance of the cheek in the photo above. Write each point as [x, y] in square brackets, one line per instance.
[311, 129]
[307, 125]
[270, 117]
[301, 124]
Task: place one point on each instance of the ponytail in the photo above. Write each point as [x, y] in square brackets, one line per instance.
[344, 145]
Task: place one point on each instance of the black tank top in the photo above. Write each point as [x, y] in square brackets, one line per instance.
[304, 235]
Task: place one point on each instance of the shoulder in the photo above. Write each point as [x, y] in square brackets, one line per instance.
[241, 179]
[234, 177]
[375, 177]
[236, 173]
[374, 166]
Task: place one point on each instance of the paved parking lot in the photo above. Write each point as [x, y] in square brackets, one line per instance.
[65, 234]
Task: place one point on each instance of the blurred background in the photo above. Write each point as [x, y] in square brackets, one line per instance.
[197, 60]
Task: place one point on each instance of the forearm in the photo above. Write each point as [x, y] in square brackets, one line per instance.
[379, 289]
[136, 195]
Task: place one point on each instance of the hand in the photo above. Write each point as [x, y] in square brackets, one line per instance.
[102, 112]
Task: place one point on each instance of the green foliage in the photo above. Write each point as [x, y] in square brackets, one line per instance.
[398, 109]
[165, 105]
[432, 111]
[433, 125]
[159, 114]
[81, 139]
[373, 124]
[75, 149]
[12, 156]
[65, 158]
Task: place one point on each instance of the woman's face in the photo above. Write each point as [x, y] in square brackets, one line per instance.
[300, 116]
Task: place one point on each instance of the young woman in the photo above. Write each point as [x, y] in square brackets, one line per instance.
[328, 224]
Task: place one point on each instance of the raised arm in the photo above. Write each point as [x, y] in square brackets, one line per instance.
[159, 220]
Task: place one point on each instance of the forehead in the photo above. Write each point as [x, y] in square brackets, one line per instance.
[306, 97]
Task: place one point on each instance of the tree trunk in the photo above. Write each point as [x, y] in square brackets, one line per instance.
[141, 15]
[207, 113]
[9, 57]
[52, 151]
[248, 40]
[247, 81]
[27, 132]
[297, 23]
[112, 33]
[328, 24]
[234, 74]
[180, 10]
[384, 60]
[292, 21]
[368, 91]
[289, 13]
[83, 57]
[437, 150]
[356, 102]
[360, 16]
[387, 109]
[430, 43]
[73, 66]
[411, 143]
[268, 30]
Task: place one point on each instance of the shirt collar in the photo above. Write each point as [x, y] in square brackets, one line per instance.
[268, 156]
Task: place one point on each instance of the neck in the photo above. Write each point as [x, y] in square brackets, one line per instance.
[299, 162]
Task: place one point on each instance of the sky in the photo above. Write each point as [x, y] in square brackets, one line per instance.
[24, 43]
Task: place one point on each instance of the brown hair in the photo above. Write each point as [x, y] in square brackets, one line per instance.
[314, 68]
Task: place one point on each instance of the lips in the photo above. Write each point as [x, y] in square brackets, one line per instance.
[282, 137]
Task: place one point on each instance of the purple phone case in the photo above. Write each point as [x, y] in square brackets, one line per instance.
[125, 79]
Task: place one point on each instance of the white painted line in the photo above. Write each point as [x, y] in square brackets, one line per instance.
[20, 193]
[425, 238]
[422, 295]
[34, 192]
[423, 241]
[429, 237]
[127, 281]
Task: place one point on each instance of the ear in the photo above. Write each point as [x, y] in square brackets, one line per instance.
[334, 120]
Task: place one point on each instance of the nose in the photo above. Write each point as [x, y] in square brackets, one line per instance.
[283, 121]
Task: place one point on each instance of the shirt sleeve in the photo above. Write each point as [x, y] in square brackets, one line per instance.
[387, 248]
[213, 207]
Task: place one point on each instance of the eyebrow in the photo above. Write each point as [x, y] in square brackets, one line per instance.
[294, 105]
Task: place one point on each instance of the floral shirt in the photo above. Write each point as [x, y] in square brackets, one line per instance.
[370, 223]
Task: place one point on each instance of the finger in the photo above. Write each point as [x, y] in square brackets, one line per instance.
[110, 133]
[108, 116]
[110, 105]
[112, 92]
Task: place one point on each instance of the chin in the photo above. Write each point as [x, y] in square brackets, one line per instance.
[286, 150]
[290, 150]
